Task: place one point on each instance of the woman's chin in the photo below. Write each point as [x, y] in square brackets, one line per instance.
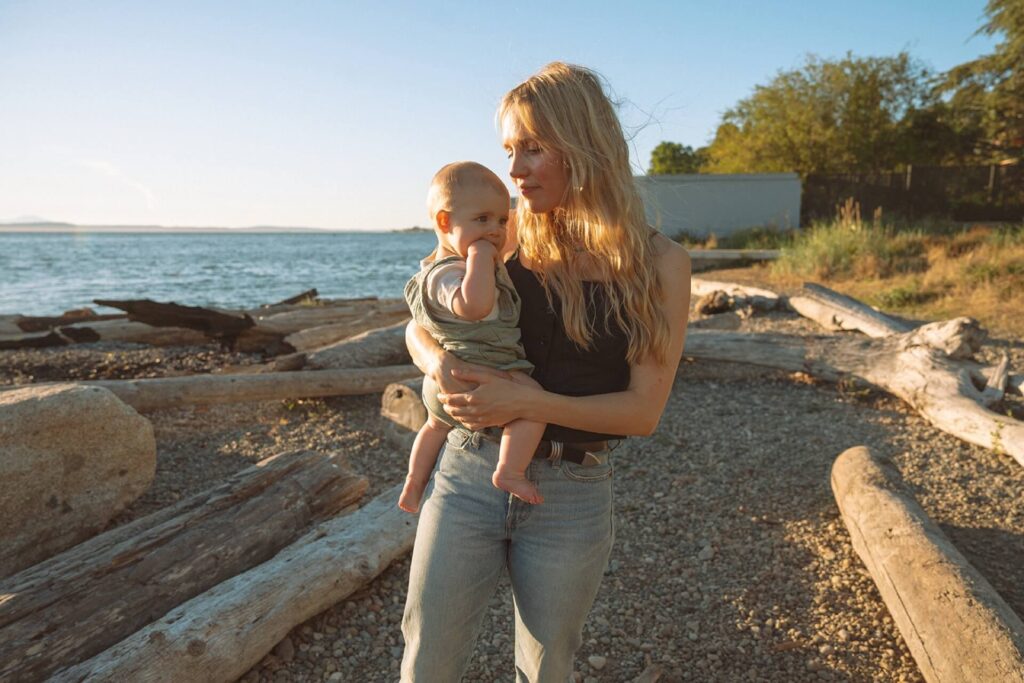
[536, 205]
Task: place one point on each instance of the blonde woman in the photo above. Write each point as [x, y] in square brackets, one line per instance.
[604, 307]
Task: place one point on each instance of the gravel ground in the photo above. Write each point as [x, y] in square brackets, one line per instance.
[730, 563]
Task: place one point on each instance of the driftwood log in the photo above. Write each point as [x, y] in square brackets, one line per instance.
[370, 349]
[402, 405]
[25, 323]
[955, 624]
[912, 366]
[221, 634]
[81, 602]
[835, 311]
[714, 297]
[170, 392]
[135, 332]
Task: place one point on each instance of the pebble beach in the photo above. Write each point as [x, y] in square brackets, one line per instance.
[731, 562]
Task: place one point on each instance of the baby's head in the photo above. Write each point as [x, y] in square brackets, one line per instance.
[467, 203]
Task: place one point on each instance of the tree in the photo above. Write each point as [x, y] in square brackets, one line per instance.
[988, 92]
[852, 114]
[672, 158]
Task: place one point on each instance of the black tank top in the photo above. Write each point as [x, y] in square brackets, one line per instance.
[561, 366]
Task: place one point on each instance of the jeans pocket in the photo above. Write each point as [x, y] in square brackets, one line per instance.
[587, 474]
[458, 437]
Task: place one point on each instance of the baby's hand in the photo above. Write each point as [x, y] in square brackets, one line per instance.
[485, 248]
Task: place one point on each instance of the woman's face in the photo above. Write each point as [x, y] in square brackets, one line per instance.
[540, 174]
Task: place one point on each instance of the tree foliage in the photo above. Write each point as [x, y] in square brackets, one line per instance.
[672, 158]
[851, 114]
[988, 92]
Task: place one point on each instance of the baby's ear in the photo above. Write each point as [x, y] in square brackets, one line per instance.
[443, 220]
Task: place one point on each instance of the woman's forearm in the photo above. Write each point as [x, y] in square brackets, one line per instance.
[624, 412]
[425, 351]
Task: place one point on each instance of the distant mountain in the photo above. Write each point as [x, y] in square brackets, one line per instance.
[31, 220]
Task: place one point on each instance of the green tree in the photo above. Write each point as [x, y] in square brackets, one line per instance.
[672, 158]
[831, 116]
[988, 92]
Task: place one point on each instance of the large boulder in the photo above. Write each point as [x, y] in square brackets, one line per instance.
[71, 458]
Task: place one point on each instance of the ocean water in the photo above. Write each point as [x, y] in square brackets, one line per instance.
[48, 273]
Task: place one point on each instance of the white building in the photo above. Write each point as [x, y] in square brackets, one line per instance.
[701, 204]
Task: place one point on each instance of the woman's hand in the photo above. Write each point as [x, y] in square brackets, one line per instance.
[497, 399]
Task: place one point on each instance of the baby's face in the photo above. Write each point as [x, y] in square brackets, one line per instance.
[479, 213]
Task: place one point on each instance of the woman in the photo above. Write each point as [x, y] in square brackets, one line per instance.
[604, 306]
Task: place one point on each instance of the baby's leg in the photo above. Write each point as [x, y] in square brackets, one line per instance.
[518, 444]
[425, 450]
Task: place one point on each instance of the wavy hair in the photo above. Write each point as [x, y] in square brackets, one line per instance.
[564, 108]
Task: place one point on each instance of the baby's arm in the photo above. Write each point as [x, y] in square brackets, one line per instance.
[475, 299]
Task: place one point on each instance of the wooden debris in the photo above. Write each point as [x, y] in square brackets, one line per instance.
[214, 323]
[718, 297]
[81, 602]
[402, 403]
[308, 296]
[954, 623]
[373, 348]
[221, 634]
[171, 392]
[835, 311]
[32, 340]
[134, 332]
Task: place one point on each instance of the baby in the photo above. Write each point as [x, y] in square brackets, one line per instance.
[464, 298]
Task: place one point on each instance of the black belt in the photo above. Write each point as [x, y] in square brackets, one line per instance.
[579, 453]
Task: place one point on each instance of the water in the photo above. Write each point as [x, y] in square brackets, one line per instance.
[47, 273]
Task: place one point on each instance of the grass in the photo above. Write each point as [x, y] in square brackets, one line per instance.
[924, 271]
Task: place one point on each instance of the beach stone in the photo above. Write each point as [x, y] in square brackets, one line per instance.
[597, 662]
[285, 650]
[71, 458]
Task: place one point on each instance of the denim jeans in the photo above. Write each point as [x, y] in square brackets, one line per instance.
[469, 532]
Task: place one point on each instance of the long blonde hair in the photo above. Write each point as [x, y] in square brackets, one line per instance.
[565, 109]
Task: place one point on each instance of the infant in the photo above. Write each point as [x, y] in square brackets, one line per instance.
[464, 298]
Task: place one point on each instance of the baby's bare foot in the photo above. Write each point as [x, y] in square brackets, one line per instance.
[518, 485]
[412, 492]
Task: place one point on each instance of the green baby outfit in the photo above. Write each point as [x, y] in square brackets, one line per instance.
[493, 342]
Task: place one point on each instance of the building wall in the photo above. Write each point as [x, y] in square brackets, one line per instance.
[721, 204]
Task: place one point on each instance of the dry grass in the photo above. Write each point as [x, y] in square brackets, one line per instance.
[919, 273]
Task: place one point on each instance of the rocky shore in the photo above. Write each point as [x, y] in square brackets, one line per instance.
[730, 563]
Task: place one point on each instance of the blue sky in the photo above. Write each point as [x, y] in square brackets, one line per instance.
[336, 114]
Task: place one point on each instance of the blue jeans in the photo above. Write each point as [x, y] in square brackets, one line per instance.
[469, 531]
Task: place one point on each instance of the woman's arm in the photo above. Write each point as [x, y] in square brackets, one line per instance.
[635, 411]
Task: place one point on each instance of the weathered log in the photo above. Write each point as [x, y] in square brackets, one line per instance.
[43, 323]
[718, 297]
[402, 403]
[305, 297]
[215, 323]
[835, 311]
[290, 322]
[81, 602]
[134, 332]
[32, 340]
[909, 366]
[221, 634]
[324, 335]
[170, 392]
[954, 623]
[373, 348]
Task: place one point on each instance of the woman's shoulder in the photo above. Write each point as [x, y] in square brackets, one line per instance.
[669, 253]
